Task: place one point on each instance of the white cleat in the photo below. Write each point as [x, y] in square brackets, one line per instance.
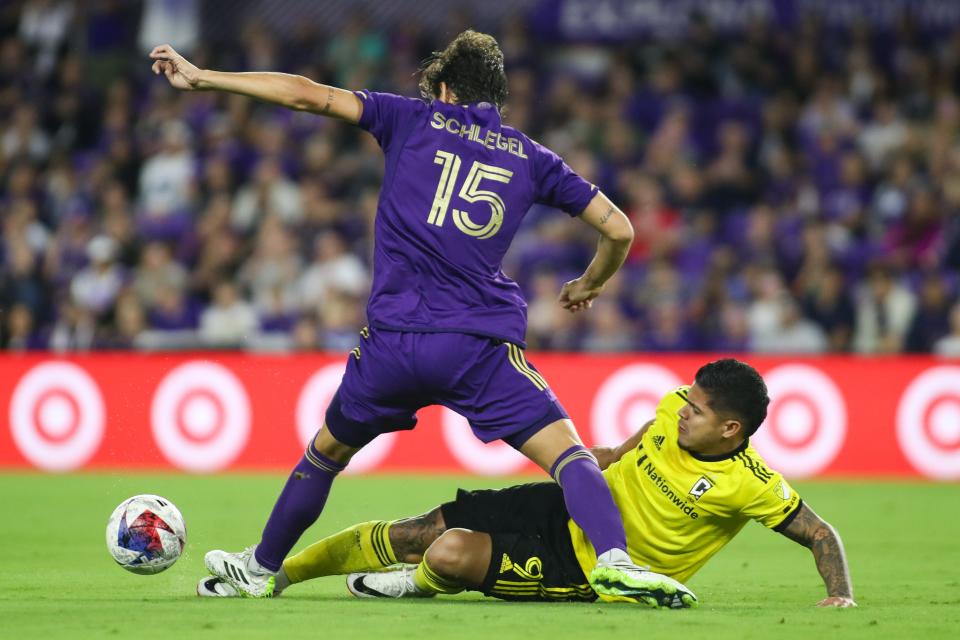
[242, 572]
[396, 583]
[214, 587]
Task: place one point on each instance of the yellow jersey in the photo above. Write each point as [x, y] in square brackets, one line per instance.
[679, 508]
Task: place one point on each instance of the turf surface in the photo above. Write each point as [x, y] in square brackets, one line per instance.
[57, 580]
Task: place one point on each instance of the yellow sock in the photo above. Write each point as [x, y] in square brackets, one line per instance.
[362, 547]
[427, 580]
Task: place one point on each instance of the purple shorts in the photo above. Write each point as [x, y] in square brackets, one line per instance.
[393, 374]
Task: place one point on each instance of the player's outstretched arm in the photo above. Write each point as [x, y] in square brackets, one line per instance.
[284, 89]
[606, 456]
[616, 236]
[808, 529]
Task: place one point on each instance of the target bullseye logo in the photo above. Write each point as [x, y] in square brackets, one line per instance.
[806, 421]
[57, 416]
[200, 416]
[492, 459]
[628, 399]
[311, 411]
[928, 422]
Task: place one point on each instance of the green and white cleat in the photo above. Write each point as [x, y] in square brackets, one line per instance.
[629, 583]
[242, 572]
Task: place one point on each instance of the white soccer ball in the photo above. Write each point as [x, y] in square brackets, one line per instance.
[146, 534]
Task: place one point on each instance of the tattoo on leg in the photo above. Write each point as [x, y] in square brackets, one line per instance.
[606, 216]
[410, 537]
[326, 107]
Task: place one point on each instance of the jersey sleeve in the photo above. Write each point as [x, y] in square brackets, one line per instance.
[387, 116]
[776, 505]
[558, 185]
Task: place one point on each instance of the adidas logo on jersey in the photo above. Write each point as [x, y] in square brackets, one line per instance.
[658, 441]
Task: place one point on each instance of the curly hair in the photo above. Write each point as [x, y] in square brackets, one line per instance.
[472, 68]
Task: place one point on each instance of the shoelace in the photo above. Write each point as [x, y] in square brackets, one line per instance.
[405, 585]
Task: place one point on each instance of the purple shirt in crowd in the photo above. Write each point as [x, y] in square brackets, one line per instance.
[456, 185]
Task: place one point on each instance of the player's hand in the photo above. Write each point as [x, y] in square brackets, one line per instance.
[577, 295]
[839, 602]
[179, 71]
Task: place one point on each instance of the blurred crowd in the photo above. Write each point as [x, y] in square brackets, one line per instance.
[792, 191]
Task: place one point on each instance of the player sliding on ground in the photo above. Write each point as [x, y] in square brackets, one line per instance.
[446, 325]
[686, 484]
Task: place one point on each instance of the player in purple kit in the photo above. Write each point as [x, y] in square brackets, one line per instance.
[447, 326]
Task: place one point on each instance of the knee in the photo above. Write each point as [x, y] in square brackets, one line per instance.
[450, 555]
[326, 445]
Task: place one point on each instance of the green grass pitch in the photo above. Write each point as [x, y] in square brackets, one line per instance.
[57, 580]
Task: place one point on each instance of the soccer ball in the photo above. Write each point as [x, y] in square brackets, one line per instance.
[146, 534]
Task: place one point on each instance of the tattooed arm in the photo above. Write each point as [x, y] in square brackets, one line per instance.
[808, 529]
[293, 92]
[616, 236]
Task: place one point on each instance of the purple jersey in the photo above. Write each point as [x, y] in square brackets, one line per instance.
[456, 185]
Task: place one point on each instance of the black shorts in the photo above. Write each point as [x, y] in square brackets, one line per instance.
[532, 556]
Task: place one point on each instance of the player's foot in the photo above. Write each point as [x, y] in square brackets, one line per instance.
[397, 583]
[242, 572]
[627, 582]
[214, 587]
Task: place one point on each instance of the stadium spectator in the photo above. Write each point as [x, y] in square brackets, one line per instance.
[19, 334]
[272, 269]
[172, 310]
[270, 193]
[24, 138]
[229, 321]
[96, 287]
[608, 329]
[74, 330]
[129, 324]
[932, 319]
[548, 327]
[949, 345]
[827, 302]
[44, 25]
[333, 270]
[157, 271]
[167, 185]
[884, 311]
[794, 333]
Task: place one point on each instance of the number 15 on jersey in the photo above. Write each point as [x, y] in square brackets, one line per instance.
[469, 191]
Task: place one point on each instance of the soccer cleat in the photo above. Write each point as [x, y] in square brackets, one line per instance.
[242, 572]
[396, 583]
[214, 587]
[627, 582]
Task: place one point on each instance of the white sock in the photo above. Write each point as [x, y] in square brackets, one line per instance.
[614, 556]
[282, 582]
[255, 567]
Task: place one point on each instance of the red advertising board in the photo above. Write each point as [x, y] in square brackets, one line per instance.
[831, 416]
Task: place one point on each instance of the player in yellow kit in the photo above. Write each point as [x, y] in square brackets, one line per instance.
[686, 484]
